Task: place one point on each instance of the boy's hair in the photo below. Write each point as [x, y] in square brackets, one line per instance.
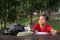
[46, 17]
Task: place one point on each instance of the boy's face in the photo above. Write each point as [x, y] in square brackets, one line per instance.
[42, 20]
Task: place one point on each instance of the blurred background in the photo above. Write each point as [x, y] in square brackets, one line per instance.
[26, 12]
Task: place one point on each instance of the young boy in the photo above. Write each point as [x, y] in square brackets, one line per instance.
[43, 26]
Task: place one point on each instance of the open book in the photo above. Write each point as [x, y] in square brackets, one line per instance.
[41, 33]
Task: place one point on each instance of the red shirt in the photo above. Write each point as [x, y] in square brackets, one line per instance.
[47, 28]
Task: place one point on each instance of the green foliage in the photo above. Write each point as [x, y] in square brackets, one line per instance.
[10, 9]
[27, 6]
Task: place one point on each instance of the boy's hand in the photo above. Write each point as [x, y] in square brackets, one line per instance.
[54, 32]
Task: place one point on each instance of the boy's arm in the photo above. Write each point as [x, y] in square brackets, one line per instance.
[52, 31]
[34, 28]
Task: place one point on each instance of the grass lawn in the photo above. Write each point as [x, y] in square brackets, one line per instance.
[55, 25]
[25, 21]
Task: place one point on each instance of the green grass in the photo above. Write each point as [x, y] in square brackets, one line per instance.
[55, 25]
[25, 21]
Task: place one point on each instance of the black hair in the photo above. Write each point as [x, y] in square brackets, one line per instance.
[46, 17]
